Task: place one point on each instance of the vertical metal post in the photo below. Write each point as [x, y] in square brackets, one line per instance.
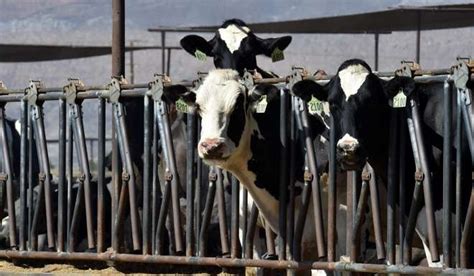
[332, 193]
[146, 228]
[132, 63]
[163, 52]
[234, 224]
[224, 237]
[292, 175]
[418, 37]
[392, 179]
[447, 143]
[190, 182]
[101, 177]
[283, 185]
[23, 174]
[168, 62]
[69, 164]
[459, 166]
[155, 193]
[62, 175]
[402, 181]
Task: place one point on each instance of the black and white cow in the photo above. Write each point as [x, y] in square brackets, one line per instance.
[235, 46]
[359, 103]
[236, 138]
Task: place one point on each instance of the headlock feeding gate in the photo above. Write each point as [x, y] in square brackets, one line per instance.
[145, 221]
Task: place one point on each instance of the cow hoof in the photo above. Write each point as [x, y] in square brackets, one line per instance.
[268, 256]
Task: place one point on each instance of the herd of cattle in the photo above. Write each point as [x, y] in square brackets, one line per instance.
[246, 143]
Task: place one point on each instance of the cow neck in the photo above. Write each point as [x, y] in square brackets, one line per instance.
[238, 166]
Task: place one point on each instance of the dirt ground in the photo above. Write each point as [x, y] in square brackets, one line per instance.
[8, 268]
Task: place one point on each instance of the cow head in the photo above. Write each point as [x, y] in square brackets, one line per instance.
[234, 46]
[358, 102]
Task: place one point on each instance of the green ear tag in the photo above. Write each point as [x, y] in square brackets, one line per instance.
[315, 106]
[262, 105]
[182, 106]
[277, 55]
[400, 100]
[200, 55]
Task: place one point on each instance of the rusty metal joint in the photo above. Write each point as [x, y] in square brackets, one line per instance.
[155, 88]
[168, 176]
[308, 176]
[419, 176]
[125, 176]
[31, 92]
[212, 176]
[366, 176]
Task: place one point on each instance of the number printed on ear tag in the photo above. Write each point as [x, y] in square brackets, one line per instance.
[400, 100]
[200, 55]
[277, 55]
[262, 105]
[182, 106]
[315, 106]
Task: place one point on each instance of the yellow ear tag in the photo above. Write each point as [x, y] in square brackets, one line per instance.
[262, 105]
[277, 55]
[400, 100]
[182, 106]
[200, 55]
[315, 106]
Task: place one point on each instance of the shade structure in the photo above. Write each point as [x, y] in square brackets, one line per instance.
[29, 53]
[398, 18]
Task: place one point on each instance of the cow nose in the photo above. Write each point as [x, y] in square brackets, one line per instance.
[212, 147]
[348, 145]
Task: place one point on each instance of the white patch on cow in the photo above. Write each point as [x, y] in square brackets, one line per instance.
[352, 78]
[216, 99]
[233, 36]
[18, 126]
[346, 139]
[322, 139]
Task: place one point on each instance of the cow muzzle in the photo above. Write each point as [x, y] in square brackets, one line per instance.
[212, 149]
[348, 153]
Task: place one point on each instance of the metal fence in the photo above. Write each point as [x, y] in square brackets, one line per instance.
[134, 226]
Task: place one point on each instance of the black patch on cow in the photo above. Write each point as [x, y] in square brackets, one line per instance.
[237, 120]
[266, 149]
[354, 61]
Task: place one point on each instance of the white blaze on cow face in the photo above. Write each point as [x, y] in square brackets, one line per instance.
[216, 99]
[352, 78]
[233, 36]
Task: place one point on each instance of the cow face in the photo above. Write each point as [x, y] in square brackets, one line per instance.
[221, 104]
[234, 46]
[358, 103]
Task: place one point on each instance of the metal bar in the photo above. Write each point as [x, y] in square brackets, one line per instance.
[127, 163]
[284, 176]
[316, 187]
[199, 183]
[118, 37]
[206, 218]
[156, 192]
[432, 236]
[332, 193]
[459, 165]
[62, 176]
[69, 172]
[168, 150]
[168, 62]
[349, 216]
[447, 144]
[23, 175]
[160, 227]
[190, 182]
[302, 214]
[402, 182]
[418, 37]
[234, 223]
[252, 226]
[416, 201]
[223, 231]
[101, 177]
[392, 179]
[45, 169]
[31, 179]
[7, 168]
[290, 227]
[466, 118]
[147, 126]
[109, 257]
[163, 56]
[78, 131]
[270, 242]
[360, 213]
[376, 52]
[376, 214]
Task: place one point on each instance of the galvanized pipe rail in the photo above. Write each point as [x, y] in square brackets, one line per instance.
[153, 243]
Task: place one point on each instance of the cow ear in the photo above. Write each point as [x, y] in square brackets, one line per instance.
[260, 90]
[305, 89]
[268, 45]
[397, 83]
[194, 43]
[173, 93]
